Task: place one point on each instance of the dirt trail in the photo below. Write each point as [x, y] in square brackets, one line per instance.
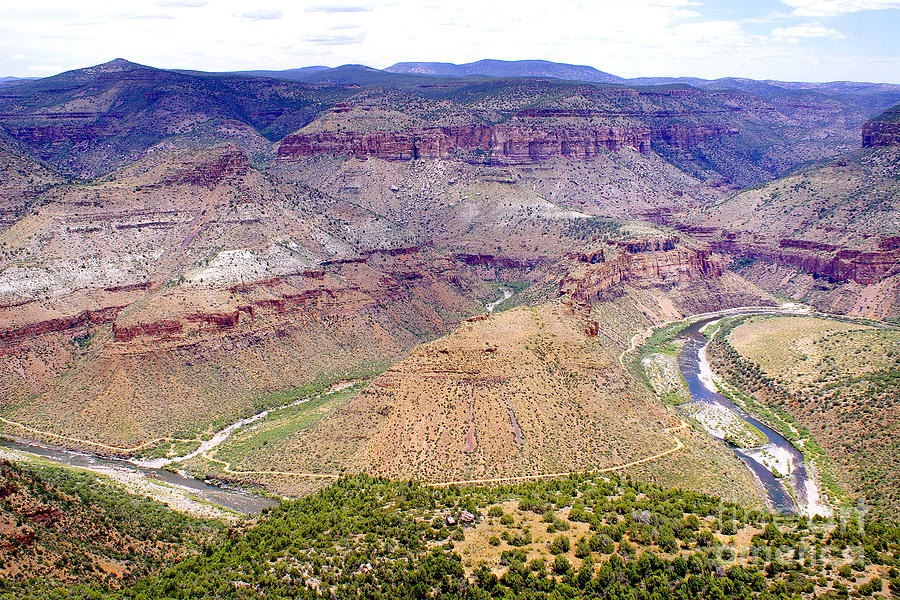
[116, 449]
[226, 468]
[641, 336]
[678, 446]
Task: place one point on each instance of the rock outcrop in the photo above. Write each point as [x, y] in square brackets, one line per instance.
[880, 134]
[839, 265]
[820, 259]
[225, 167]
[884, 130]
[685, 137]
[641, 262]
[477, 144]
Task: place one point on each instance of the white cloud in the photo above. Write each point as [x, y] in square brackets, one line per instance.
[339, 8]
[336, 40]
[807, 30]
[263, 14]
[830, 8]
[625, 37]
[138, 16]
[183, 3]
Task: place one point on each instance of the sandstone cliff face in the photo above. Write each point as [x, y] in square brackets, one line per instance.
[880, 134]
[477, 144]
[226, 167]
[684, 137]
[816, 258]
[642, 262]
[820, 259]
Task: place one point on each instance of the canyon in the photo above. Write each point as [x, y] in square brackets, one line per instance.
[234, 241]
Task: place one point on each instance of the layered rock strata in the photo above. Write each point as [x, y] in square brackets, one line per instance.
[651, 261]
[477, 144]
[880, 134]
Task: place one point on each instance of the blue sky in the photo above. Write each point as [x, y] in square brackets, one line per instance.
[808, 40]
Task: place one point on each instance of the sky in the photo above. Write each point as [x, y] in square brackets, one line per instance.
[795, 40]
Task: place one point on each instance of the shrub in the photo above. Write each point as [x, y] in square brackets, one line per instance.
[602, 543]
[561, 565]
[582, 549]
[560, 544]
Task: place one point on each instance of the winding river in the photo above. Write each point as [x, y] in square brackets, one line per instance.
[236, 500]
[795, 491]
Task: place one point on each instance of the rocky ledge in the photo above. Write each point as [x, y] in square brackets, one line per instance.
[641, 262]
[880, 134]
[477, 144]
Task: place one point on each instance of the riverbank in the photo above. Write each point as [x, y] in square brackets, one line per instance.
[776, 453]
[830, 386]
[180, 498]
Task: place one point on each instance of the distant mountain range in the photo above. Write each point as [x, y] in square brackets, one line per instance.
[413, 71]
[507, 68]
[4, 80]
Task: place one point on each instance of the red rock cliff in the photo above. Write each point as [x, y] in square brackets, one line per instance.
[879, 134]
[641, 262]
[496, 144]
[816, 258]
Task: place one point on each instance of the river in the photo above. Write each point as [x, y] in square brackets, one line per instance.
[190, 489]
[778, 453]
[184, 485]
[507, 294]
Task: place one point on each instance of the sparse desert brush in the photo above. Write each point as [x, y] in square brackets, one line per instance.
[834, 385]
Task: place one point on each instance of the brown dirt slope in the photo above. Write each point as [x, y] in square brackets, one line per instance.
[522, 392]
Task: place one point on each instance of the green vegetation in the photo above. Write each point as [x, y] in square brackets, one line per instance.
[517, 298]
[662, 339]
[281, 423]
[84, 340]
[656, 364]
[742, 262]
[832, 392]
[375, 538]
[592, 228]
[61, 523]
[308, 389]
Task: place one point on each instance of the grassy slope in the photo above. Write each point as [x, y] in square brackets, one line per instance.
[838, 379]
